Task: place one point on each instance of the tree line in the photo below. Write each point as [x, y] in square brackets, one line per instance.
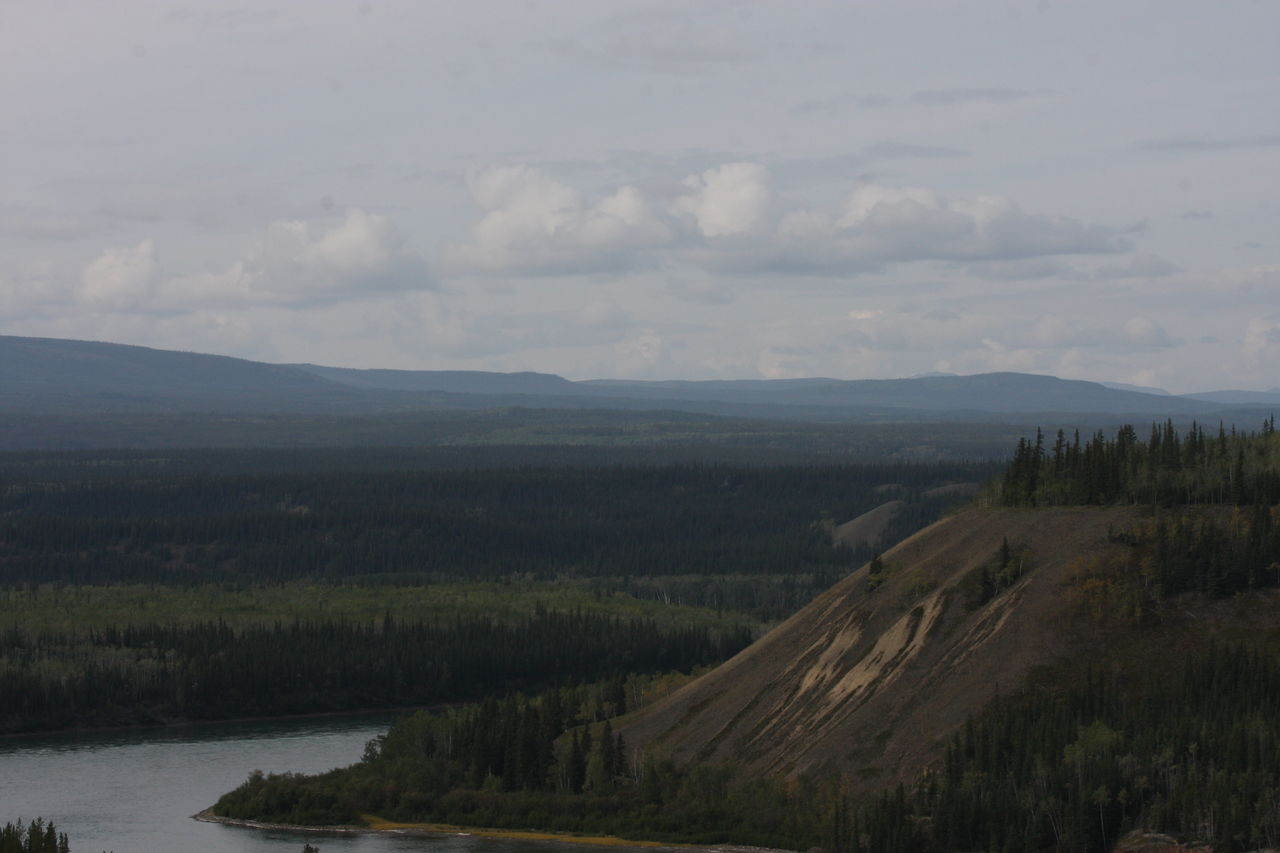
[148, 673]
[1168, 469]
[413, 527]
[35, 837]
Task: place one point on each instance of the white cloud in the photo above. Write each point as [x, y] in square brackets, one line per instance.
[1147, 333]
[292, 263]
[643, 355]
[728, 201]
[120, 277]
[883, 225]
[1262, 338]
[535, 225]
[728, 219]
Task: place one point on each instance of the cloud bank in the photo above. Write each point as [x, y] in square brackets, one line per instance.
[730, 219]
[292, 263]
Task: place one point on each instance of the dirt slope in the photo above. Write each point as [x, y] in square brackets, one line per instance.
[868, 528]
[868, 682]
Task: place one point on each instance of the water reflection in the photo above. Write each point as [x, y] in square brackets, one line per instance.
[134, 791]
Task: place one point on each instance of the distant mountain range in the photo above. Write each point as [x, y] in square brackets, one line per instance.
[52, 376]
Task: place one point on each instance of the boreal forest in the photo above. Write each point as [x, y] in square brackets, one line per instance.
[142, 588]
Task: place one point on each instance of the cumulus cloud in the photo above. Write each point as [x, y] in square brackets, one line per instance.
[642, 355]
[881, 225]
[728, 201]
[120, 277]
[1147, 333]
[366, 252]
[535, 225]
[1262, 336]
[292, 263]
[729, 219]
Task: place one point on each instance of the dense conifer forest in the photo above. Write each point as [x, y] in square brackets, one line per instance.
[414, 527]
[153, 673]
[1169, 469]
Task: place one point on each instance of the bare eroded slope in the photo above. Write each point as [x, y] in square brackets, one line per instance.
[868, 681]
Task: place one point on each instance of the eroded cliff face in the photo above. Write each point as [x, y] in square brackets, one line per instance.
[870, 678]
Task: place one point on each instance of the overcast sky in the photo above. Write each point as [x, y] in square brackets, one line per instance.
[652, 190]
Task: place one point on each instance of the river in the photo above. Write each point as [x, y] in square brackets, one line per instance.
[135, 791]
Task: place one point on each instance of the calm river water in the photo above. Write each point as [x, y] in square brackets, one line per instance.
[135, 791]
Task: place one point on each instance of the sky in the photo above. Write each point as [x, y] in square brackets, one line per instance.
[696, 190]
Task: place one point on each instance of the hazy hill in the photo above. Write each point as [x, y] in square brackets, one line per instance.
[65, 390]
[52, 375]
[987, 392]
[870, 681]
[1239, 398]
[451, 381]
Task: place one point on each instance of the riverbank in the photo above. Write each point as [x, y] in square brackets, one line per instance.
[159, 724]
[379, 826]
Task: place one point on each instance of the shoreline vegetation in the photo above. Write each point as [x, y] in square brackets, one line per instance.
[389, 713]
[377, 825]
